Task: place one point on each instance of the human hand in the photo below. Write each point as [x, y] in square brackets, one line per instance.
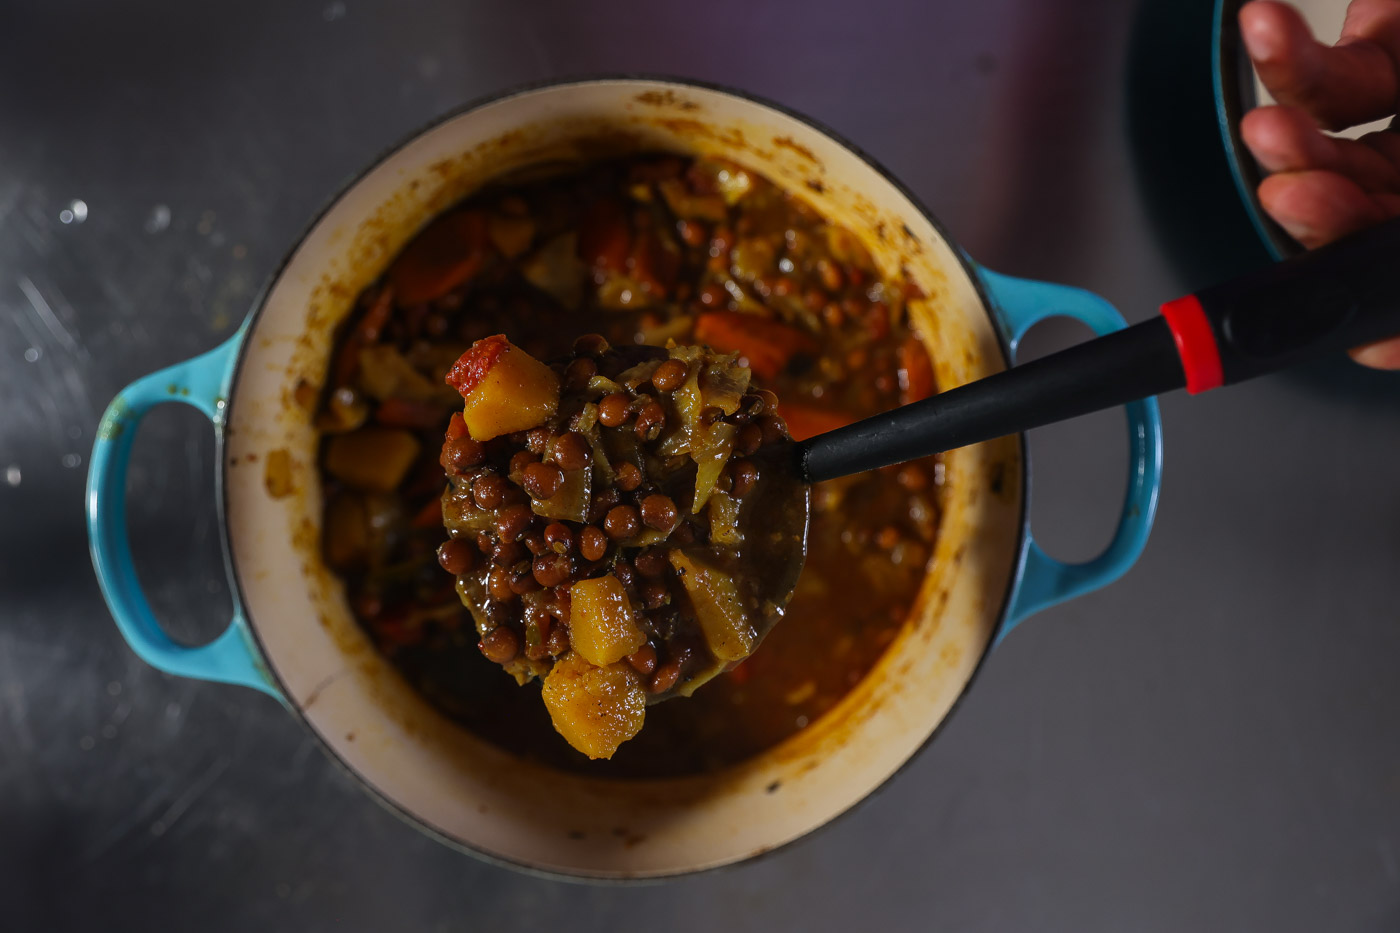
[1322, 188]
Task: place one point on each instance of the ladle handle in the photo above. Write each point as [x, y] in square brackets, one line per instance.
[1331, 299]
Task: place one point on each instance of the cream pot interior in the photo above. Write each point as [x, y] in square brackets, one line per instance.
[433, 771]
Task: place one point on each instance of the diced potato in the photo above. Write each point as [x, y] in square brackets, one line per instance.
[512, 234]
[601, 626]
[346, 532]
[718, 608]
[595, 709]
[556, 269]
[386, 374]
[692, 206]
[505, 389]
[372, 458]
[733, 183]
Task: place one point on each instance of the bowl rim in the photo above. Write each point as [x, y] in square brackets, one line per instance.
[259, 304]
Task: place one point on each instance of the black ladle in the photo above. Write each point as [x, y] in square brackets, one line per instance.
[1323, 302]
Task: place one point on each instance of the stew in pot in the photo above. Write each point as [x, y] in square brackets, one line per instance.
[647, 250]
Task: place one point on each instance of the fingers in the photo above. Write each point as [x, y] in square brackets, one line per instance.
[1317, 207]
[1383, 355]
[1287, 140]
[1354, 82]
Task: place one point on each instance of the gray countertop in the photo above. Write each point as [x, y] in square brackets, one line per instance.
[1209, 744]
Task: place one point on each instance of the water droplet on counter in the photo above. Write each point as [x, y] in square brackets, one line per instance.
[109, 731]
[12, 474]
[86, 743]
[158, 220]
[114, 688]
[75, 431]
[32, 354]
[72, 460]
[75, 213]
[333, 12]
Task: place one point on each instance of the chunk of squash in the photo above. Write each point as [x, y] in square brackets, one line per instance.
[718, 607]
[504, 388]
[595, 709]
[601, 626]
[372, 458]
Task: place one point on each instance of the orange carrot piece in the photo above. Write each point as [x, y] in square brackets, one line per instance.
[407, 413]
[806, 421]
[430, 516]
[915, 371]
[444, 256]
[364, 332]
[604, 237]
[767, 345]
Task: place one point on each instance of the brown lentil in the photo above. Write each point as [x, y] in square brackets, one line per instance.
[624, 573]
[513, 521]
[488, 490]
[669, 375]
[542, 480]
[643, 660]
[745, 474]
[558, 641]
[655, 594]
[506, 553]
[498, 584]
[571, 451]
[659, 512]
[461, 454]
[622, 522]
[579, 372]
[748, 440]
[590, 345]
[652, 562]
[614, 409]
[628, 476]
[559, 538]
[665, 677]
[522, 579]
[457, 556]
[592, 543]
[552, 569]
[500, 645]
[650, 420]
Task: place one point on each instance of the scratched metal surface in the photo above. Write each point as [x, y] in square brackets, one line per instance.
[1208, 745]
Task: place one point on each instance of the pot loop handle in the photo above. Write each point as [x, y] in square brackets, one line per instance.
[1042, 581]
[200, 382]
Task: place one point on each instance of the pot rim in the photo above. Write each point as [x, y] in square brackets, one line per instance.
[260, 303]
